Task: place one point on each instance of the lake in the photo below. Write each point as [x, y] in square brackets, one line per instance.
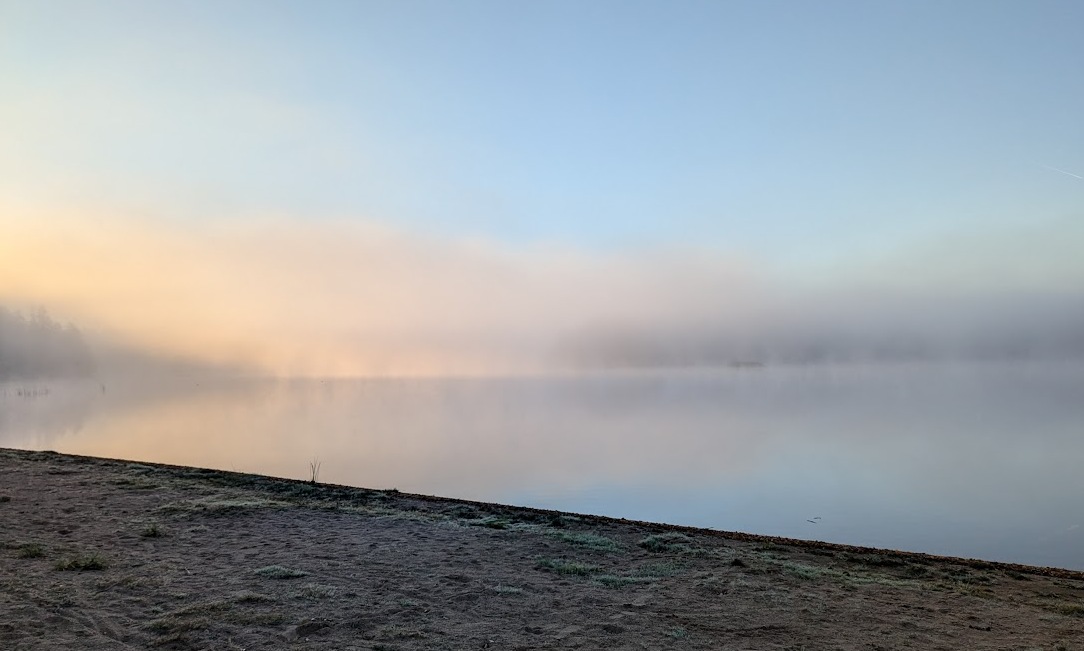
[976, 460]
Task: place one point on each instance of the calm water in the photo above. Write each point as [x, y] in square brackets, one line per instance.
[969, 460]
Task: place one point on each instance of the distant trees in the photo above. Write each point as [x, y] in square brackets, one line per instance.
[39, 347]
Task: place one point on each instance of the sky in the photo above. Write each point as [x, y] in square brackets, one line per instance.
[436, 187]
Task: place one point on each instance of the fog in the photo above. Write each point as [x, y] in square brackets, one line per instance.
[39, 347]
[849, 327]
[338, 298]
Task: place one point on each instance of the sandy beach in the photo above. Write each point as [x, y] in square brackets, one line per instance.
[105, 554]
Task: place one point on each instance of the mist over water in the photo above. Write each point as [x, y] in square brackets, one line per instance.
[969, 459]
[287, 298]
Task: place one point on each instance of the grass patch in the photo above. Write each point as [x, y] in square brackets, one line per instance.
[507, 589]
[875, 560]
[220, 507]
[552, 520]
[669, 542]
[616, 582]
[1071, 610]
[134, 483]
[201, 615]
[280, 572]
[462, 512]
[174, 626]
[567, 568]
[192, 618]
[678, 633]
[966, 577]
[83, 563]
[314, 591]
[805, 572]
[812, 573]
[249, 597]
[30, 550]
[659, 570]
[917, 571]
[152, 530]
[1069, 585]
[588, 540]
[141, 469]
[490, 522]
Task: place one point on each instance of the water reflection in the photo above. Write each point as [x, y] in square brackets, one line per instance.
[973, 460]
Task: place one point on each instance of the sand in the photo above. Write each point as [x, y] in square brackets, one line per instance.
[105, 554]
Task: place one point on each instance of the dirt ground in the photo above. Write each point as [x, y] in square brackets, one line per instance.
[102, 554]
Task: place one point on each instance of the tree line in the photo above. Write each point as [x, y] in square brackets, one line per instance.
[36, 346]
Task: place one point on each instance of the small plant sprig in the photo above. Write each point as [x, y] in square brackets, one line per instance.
[314, 471]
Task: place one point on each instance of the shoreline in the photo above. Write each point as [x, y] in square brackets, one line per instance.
[978, 563]
[108, 553]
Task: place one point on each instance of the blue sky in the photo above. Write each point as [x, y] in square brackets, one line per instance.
[773, 126]
[829, 140]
